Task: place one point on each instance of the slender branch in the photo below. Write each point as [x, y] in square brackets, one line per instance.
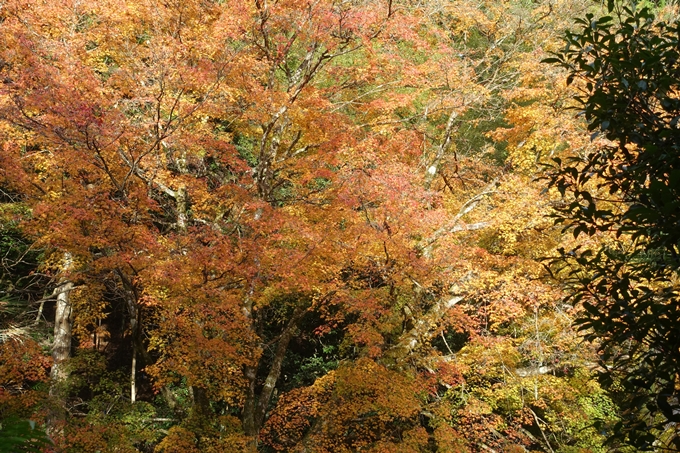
[454, 225]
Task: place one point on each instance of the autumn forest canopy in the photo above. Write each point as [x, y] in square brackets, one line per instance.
[339, 226]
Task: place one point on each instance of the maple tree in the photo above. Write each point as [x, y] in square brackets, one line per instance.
[290, 225]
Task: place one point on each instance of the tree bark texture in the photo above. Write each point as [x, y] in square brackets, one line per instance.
[61, 347]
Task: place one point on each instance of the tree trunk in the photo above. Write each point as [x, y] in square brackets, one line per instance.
[441, 152]
[61, 347]
[134, 333]
[133, 310]
[421, 330]
[255, 408]
[249, 427]
[133, 377]
[200, 402]
[182, 215]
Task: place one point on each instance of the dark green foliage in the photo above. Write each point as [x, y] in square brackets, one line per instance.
[18, 257]
[626, 67]
[21, 436]
[311, 354]
[629, 72]
[246, 149]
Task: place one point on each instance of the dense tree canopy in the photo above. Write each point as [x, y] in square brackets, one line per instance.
[290, 225]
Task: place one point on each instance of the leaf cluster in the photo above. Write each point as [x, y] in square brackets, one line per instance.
[625, 194]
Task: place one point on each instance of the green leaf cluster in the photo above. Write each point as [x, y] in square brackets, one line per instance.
[626, 193]
[17, 435]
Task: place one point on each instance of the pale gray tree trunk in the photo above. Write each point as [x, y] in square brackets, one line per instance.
[63, 318]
